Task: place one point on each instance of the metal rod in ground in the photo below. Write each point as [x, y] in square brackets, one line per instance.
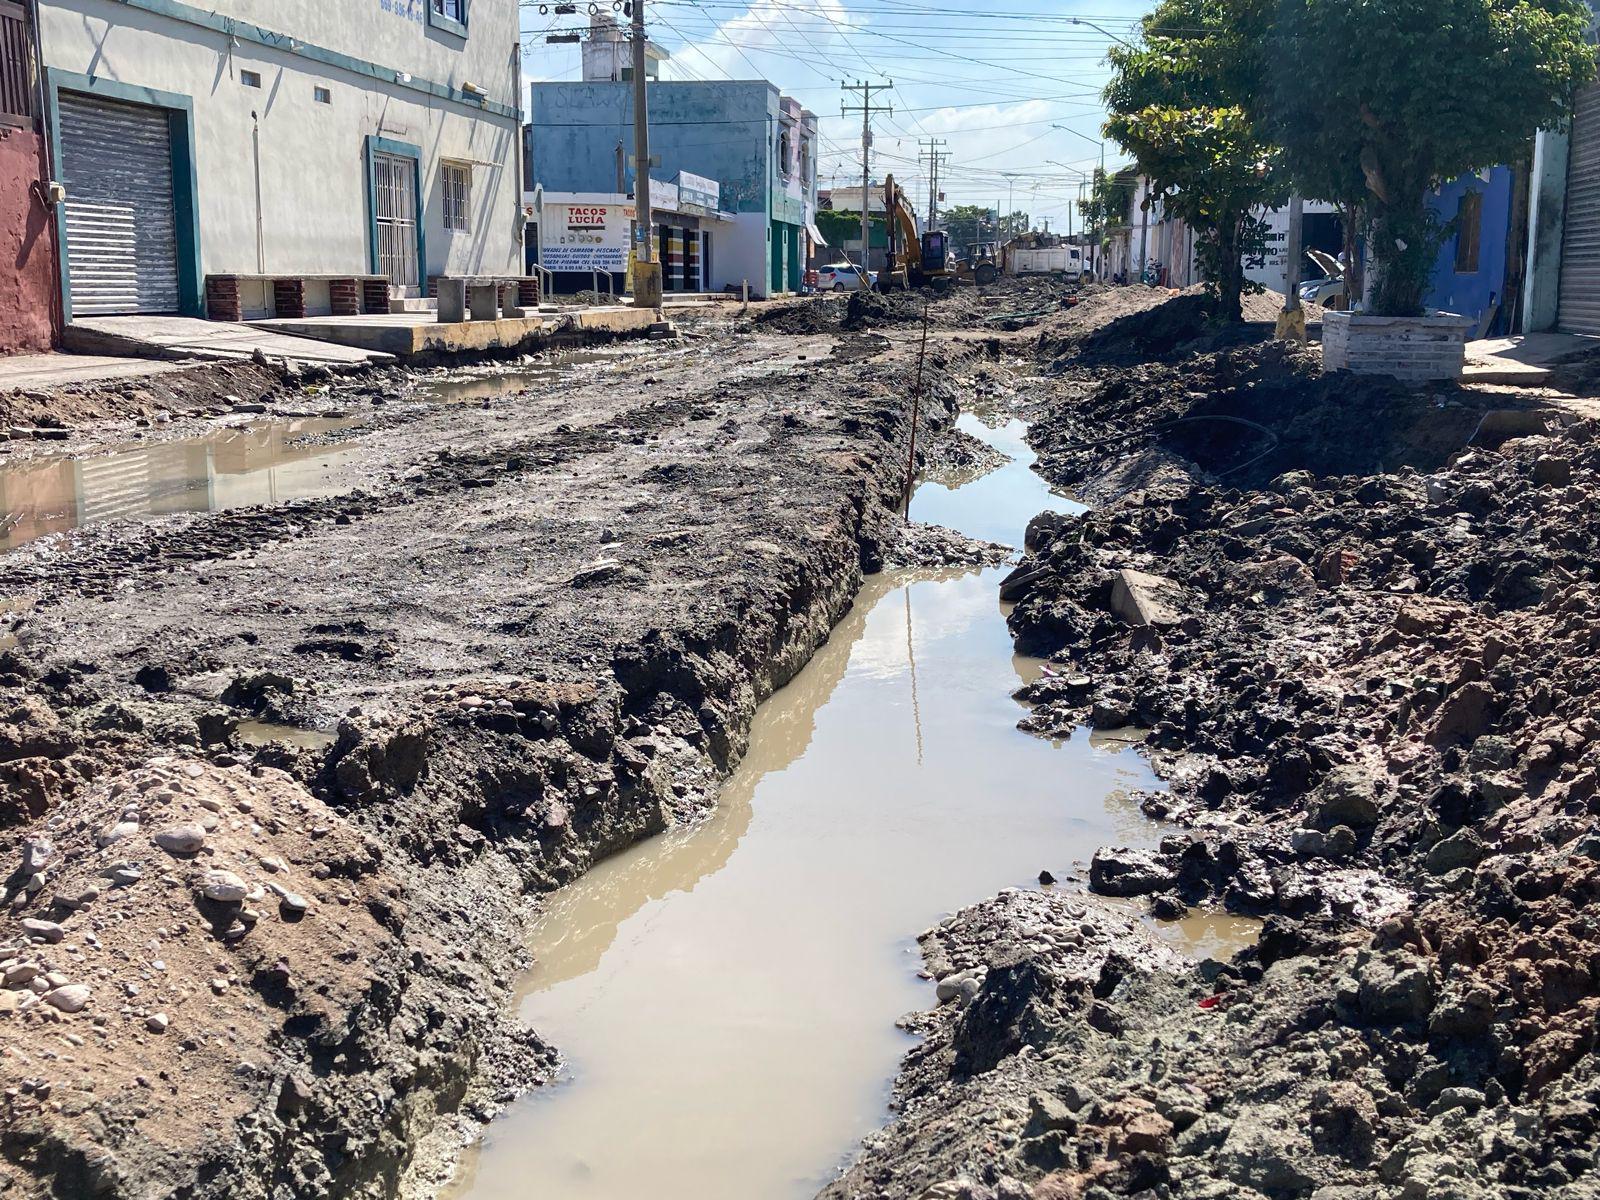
[916, 412]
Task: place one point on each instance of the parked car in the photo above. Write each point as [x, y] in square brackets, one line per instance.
[843, 277]
[1329, 290]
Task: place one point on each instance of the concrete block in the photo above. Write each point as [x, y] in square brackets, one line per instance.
[483, 300]
[452, 301]
[1141, 599]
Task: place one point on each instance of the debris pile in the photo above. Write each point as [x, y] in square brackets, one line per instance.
[1373, 696]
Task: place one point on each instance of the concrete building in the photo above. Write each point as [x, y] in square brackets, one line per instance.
[30, 312]
[1471, 275]
[365, 138]
[757, 145]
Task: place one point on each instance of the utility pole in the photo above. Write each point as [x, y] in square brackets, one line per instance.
[646, 271]
[866, 108]
[1292, 320]
[928, 151]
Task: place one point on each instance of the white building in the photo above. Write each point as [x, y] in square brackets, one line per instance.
[359, 138]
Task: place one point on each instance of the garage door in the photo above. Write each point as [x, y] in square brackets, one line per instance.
[122, 245]
[1580, 243]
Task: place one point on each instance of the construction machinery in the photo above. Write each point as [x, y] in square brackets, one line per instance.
[912, 261]
[981, 264]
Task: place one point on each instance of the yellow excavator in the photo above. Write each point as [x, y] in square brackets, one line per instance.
[912, 261]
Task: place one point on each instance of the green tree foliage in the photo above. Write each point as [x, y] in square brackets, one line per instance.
[968, 223]
[1185, 104]
[1108, 202]
[837, 226]
[1015, 225]
[1374, 102]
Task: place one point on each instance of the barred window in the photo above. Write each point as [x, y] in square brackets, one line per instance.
[457, 179]
[16, 66]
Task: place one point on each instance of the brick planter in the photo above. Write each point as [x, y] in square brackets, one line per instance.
[1415, 349]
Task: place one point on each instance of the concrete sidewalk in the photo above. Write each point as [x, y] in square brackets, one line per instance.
[409, 334]
[44, 372]
[1524, 360]
[217, 341]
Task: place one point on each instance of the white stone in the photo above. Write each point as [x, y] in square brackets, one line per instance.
[183, 838]
[224, 887]
[74, 997]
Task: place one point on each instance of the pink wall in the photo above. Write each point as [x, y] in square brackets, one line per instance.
[28, 297]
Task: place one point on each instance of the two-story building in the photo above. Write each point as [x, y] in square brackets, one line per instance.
[757, 145]
[244, 141]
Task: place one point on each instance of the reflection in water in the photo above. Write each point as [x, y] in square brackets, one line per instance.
[997, 506]
[725, 995]
[267, 463]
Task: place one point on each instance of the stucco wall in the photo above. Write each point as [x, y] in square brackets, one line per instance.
[314, 206]
[723, 131]
[27, 248]
[1471, 293]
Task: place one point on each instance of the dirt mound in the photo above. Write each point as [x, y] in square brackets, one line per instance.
[864, 310]
[817, 315]
[1249, 413]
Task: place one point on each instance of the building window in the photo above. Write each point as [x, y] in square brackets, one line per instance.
[250, 78]
[805, 161]
[322, 95]
[450, 15]
[1469, 230]
[783, 152]
[16, 66]
[457, 178]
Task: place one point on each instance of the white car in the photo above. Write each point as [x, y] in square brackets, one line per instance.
[842, 277]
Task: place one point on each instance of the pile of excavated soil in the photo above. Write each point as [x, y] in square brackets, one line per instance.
[1249, 413]
[816, 315]
[1373, 696]
[1130, 325]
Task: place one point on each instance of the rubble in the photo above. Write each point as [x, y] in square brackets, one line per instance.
[1375, 716]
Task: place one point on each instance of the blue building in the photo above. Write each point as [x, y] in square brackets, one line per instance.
[1469, 276]
[757, 144]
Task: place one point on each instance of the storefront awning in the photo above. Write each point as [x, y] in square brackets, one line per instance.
[816, 235]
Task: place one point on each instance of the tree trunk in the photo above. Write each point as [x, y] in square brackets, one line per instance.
[1230, 269]
[1355, 275]
[1405, 242]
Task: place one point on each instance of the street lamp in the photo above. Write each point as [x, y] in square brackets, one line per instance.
[1087, 138]
[1107, 32]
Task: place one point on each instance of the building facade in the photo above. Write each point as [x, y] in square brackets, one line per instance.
[30, 312]
[368, 137]
[757, 145]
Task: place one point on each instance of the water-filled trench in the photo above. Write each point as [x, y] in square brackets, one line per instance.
[725, 995]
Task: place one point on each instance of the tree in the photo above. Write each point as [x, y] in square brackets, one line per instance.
[1185, 105]
[1015, 225]
[839, 226]
[968, 223]
[1108, 202]
[1374, 102]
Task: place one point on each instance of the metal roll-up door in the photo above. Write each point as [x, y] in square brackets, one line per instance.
[122, 243]
[1580, 243]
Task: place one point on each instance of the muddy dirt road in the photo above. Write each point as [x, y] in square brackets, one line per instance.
[301, 722]
[536, 623]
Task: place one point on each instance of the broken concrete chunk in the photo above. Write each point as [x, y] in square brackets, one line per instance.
[1141, 599]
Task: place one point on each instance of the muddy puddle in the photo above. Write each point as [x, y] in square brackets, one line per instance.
[265, 463]
[267, 733]
[725, 995]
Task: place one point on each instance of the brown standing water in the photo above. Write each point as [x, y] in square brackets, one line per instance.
[725, 995]
[267, 462]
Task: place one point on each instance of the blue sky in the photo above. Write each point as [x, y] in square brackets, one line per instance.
[989, 79]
